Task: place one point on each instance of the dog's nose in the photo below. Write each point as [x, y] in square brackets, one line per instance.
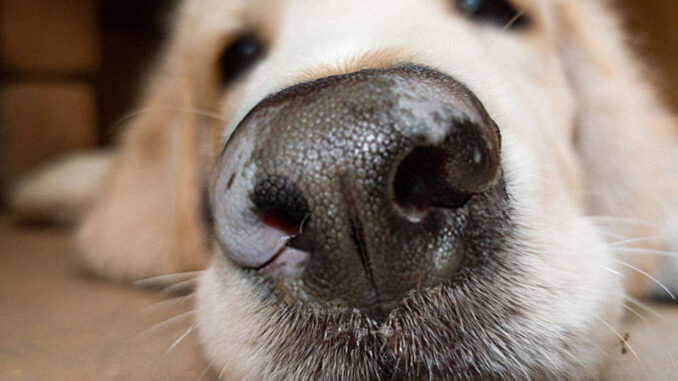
[355, 189]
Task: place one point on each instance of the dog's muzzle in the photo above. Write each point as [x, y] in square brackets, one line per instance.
[354, 189]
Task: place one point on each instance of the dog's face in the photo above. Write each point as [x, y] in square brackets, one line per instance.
[396, 189]
[407, 204]
[399, 195]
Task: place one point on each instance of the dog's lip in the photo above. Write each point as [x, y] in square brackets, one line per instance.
[287, 262]
[272, 259]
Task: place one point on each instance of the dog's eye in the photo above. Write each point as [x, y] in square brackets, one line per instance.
[239, 56]
[497, 12]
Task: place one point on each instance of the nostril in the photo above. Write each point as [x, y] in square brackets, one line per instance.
[421, 182]
[281, 220]
[280, 204]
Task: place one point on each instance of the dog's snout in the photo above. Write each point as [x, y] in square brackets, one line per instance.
[358, 188]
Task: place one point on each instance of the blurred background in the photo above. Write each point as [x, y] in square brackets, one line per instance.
[70, 69]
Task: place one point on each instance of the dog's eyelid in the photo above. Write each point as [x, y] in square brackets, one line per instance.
[239, 56]
[500, 13]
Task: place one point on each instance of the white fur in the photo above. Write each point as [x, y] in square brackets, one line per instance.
[62, 190]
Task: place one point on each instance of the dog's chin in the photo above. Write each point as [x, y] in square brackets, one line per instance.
[480, 325]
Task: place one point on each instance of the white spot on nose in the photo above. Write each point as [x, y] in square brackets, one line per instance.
[477, 157]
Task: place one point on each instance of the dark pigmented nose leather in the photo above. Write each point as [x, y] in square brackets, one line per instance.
[389, 176]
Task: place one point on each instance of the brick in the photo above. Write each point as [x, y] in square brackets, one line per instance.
[50, 35]
[39, 121]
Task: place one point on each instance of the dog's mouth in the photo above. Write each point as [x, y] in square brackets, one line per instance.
[287, 262]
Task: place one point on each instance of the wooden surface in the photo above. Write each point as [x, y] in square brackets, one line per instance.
[58, 323]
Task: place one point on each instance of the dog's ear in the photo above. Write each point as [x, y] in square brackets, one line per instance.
[147, 221]
[626, 138]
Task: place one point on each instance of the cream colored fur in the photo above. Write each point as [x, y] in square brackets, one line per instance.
[61, 191]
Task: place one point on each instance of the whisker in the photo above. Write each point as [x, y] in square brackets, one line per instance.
[515, 18]
[506, 27]
[613, 271]
[301, 226]
[614, 235]
[656, 332]
[200, 112]
[204, 372]
[621, 220]
[156, 306]
[660, 284]
[168, 322]
[222, 372]
[638, 250]
[185, 286]
[633, 240]
[165, 279]
[644, 307]
[626, 343]
[182, 337]
[629, 308]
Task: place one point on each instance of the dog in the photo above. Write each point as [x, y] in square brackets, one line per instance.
[429, 189]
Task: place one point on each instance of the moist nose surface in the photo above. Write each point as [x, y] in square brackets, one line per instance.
[376, 176]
